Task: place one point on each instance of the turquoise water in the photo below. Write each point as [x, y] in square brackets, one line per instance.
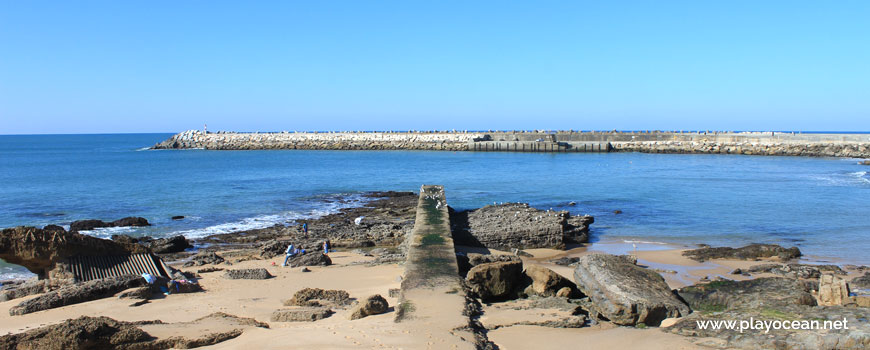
[818, 204]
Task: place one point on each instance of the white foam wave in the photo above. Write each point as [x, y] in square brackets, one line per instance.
[263, 221]
[11, 273]
[847, 179]
[107, 232]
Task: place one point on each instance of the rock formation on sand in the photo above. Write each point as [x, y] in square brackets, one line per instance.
[41, 250]
[319, 297]
[517, 225]
[87, 225]
[248, 274]
[105, 333]
[750, 252]
[78, 293]
[770, 299]
[496, 280]
[373, 305]
[625, 293]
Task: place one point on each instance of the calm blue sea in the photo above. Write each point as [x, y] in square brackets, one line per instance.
[819, 204]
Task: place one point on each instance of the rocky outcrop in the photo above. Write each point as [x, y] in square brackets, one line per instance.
[833, 290]
[41, 250]
[302, 314]
[751, 294]
[319, 297]
[78, 293]
[204, 258]
[105, 333]
[769, 300]
[517, 225]
[87, 225]
[24, 289]
[497, 280]
[862, 282]
[792, 270]
[373, 305]
[625, 293]
[750, 252]
[168, 245]
[248, 274]
[466, 261]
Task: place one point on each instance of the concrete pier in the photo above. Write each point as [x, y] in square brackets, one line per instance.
[747, 143]
[432, 302]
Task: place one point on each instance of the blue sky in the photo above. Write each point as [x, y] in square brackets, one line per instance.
[136, 66]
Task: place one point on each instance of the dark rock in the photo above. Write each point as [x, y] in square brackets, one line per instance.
[625, 293]
[865, 162]
[319, 297]
[78, 293]
[750, 252]
[770, 299]
[204, 258]
[517, 225]
[754, 293]
[87, 225]
[617, 212]
[178, 217]
[40, 251]
[862, 282]
[497, 280]
[566, 261]
[209, 269]
[304, 314]
[795, 270]
[138, 293]
[23, 290]
[372, 305]
[185, 286]
[53, 228]
[168, 245]
[82, 333]
[311, 258]
[248, 274]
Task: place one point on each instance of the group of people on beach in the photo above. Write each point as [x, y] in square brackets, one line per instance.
[293, 251]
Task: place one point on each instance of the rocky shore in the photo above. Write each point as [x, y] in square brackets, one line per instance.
[744, 143]
[513, 272]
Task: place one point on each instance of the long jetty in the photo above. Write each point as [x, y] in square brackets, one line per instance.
[432, 303]
[747, 143]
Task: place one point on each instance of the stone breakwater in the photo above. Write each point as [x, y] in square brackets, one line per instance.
[442, 141]
[747, 143]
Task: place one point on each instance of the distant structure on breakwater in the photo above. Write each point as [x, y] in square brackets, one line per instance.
[748, 143]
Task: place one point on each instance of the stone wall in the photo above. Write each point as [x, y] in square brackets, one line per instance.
[749, 143]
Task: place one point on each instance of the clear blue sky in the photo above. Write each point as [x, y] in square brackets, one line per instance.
[152, 66]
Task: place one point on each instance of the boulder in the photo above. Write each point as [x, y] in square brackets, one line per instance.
[173, 244]
[750, 252]
[78, 293]
[373, 305]
[497, 280]
[319, 297]
[87, 225]
[625, 293]
[177, 217]
[311, 258]
[41, 250]
[303, 314]
[248, 274]
[545, 282]
[517, 225]
[832, 290]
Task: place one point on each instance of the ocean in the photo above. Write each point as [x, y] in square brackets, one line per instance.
[818, 204]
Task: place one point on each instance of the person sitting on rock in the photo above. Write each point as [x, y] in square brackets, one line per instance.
[326, 247]
[289, 253]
